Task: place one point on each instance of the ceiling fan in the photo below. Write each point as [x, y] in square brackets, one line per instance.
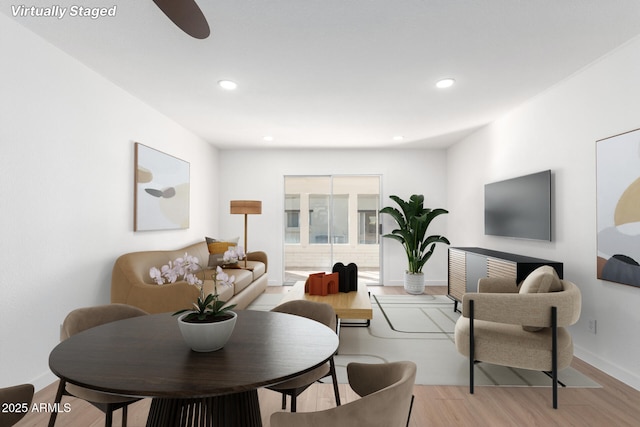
[186, 15]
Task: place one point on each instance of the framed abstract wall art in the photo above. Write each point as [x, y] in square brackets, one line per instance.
[618, 206]
[161, 191]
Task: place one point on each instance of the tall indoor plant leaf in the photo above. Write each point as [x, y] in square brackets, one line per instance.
[413, 221]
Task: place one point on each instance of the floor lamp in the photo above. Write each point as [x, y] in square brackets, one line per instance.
[246, 207]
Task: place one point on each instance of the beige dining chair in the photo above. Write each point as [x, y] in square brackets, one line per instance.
[386, 400]
[82, 319]
[325, 314]
[16, 403]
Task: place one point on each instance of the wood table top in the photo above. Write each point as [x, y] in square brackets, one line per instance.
[347, 305]
[146, 356]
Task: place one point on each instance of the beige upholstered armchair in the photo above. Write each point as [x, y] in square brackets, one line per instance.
[521, 327]
[386, 392]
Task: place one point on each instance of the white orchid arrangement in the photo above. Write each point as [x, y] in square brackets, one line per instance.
[187, 268]
[233, 254]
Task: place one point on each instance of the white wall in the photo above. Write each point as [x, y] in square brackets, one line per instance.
[558, 130]
[66, 193]
[259, 175]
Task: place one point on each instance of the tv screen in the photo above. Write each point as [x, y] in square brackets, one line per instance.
[519, 207]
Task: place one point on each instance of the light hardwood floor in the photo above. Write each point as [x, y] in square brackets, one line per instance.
[615, 404]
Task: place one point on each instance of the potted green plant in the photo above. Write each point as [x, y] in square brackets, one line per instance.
[413, 220]
[208, 325]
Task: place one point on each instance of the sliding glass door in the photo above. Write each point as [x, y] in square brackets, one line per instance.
[330, 219]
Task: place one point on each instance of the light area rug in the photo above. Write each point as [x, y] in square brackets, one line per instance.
[420, 328]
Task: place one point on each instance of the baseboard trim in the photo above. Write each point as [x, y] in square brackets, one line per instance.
[621, 374]
[43, 380]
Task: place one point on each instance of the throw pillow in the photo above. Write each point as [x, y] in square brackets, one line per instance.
[541, 280]
[233, 240]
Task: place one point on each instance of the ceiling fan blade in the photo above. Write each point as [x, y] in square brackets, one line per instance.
[186, 15]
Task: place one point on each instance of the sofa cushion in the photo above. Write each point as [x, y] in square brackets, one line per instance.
[541, 280]
[217, 248]
[257, 268]
[243, 278]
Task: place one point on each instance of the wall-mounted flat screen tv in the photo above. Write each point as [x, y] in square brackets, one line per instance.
[519, 207]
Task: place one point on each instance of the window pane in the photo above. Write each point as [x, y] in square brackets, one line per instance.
[340, 219]
[368, 219]
[292, 218]
[318, 219]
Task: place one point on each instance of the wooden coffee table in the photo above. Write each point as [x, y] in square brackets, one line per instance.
[354, 305]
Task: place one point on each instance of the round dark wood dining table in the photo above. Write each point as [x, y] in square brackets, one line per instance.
[147, 357]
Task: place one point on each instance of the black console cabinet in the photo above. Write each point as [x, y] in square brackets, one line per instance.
[468, 265]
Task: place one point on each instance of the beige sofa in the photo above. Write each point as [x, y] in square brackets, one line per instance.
[131, 283]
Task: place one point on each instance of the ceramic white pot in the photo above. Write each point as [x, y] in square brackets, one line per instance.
[414, 283]
[204, 337]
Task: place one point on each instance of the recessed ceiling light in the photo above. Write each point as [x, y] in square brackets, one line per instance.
[227, 84]
[445, 83]
[398, 138]
[268, 138]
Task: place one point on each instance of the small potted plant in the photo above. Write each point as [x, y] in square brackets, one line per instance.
[209, 324]
[413, 220]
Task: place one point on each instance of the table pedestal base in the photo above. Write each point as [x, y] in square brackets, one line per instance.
[238, 409]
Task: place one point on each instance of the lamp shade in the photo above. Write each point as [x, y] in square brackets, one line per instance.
[247, 207]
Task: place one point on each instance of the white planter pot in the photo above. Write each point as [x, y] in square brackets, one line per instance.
[204, 337]
[414, 283]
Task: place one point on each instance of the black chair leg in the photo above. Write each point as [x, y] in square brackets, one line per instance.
[294, 405]
[124, 416]
[284, 401]
[334, 377]
[410, 408]
[554, 354]
[59, 393]
[471, 347]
